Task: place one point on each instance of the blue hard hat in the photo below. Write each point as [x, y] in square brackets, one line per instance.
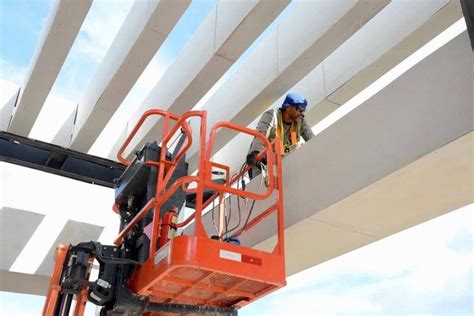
[295, 99]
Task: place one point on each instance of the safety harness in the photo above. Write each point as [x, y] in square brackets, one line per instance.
[295, 132]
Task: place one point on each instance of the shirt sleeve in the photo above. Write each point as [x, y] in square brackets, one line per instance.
[306, 131]
[265, 124]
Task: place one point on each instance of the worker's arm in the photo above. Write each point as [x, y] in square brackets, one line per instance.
[306, 131]
[266, 126]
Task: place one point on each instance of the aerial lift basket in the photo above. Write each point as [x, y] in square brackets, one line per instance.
[194, 269]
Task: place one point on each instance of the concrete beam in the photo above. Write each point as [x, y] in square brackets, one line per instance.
[142, 34]
[63, 136]
[24, 283]
[7, 109]
[62, 26]
[369, 54]
[397, 160]
[431, 186]
[354, 66]
[229, 29]
[284, 58]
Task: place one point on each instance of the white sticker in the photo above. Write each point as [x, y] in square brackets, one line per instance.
[162, 253]
[235, 256]
[98, 299]
[103, 283]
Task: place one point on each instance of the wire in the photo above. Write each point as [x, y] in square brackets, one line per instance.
[253, 202]
[213, 219]
[244, 165]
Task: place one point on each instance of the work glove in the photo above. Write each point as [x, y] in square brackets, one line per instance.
[252, 158]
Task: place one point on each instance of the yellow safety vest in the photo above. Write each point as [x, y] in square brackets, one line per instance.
[295, 132]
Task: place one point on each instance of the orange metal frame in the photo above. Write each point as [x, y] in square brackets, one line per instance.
[55, 287]
[195, 269]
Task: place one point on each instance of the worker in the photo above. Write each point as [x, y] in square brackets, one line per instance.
[286, 122]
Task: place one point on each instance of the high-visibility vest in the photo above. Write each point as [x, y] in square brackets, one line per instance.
[295, 132]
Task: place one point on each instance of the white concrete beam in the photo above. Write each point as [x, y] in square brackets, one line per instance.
[431, 186]
[216, 45]
[383, 167]
[6, 110]
[142, 34]
[407, 27]
[62, 26]
[24, 283]
[63, 136]
[284, 58]
[370, 53]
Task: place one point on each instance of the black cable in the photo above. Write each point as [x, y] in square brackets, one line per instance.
[242, 168]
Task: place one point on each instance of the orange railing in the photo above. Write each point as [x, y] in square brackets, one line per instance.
[203, 179]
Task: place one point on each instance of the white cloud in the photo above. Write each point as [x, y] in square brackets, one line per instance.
[11, 73]
[7, 90]
[100, 27]
[97, 33]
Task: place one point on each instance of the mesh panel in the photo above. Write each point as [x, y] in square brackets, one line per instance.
[200, 293]
[193, 285]
[222, 280]
[168, 287]
[190, 274]
[254, 287]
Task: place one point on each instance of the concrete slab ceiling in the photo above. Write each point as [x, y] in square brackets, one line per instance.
[62, 26]
[228, 30]
[145, 29]
[282, 59]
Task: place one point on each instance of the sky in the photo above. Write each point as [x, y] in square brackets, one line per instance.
[426, 270]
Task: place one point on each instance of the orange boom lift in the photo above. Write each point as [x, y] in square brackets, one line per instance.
[152, 271]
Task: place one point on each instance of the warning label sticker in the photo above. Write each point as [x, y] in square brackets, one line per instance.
[235, 256]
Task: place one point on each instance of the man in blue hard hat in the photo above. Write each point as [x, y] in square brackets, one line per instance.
[286, 122]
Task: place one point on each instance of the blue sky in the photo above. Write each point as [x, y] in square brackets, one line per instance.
[426, 270]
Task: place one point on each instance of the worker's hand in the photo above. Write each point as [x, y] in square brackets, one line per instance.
[251, 158]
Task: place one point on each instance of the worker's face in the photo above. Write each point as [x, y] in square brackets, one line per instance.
[296, 112]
